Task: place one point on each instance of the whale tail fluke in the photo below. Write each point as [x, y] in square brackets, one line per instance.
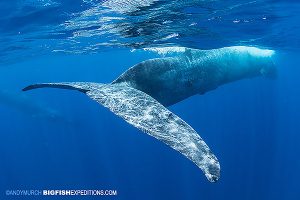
[69, 86]
[147, 114]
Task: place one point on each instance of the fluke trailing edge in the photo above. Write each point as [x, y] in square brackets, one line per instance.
[140, 95]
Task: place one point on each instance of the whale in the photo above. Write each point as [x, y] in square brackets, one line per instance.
[25, 105]
[142, 94]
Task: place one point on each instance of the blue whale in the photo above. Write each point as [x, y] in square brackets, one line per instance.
[141, 94]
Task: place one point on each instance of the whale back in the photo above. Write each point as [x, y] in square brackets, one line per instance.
[162, 78]
[239, 62]
[187, 72]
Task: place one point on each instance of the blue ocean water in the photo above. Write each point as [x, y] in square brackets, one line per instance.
[59, 139]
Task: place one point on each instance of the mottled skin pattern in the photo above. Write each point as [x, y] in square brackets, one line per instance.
[139, 94]
[173, 79]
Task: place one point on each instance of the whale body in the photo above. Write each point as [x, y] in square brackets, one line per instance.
[173, 79]
[141, 94]
[23, 104]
